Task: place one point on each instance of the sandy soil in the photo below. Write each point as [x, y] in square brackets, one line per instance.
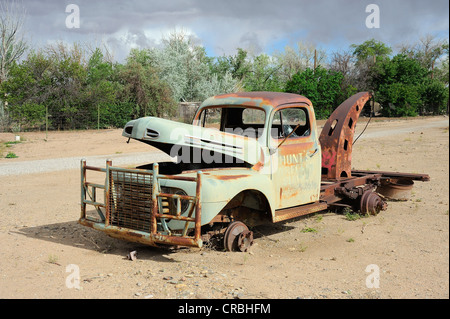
[408, 243]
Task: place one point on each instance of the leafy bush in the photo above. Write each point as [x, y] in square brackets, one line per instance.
[404, 88]
[11, 155]
[434, 95]
[399, 99]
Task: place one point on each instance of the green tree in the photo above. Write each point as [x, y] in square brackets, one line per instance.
[344, 62]
[399, 99]
[262, 75]
[101, 88]
[321, 87]
[370, 49]
[434, 95]
[188, 70]
[67, 99]
[239, 65]
[143, 88]
[298, 58]
[220, 66]
[24, 107]
[12, 46]
[429, 52]
[26, 90]
[399, 69]
[367, 56]
[403, 87]
[58, 82]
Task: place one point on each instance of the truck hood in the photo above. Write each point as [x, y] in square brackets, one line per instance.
[188, 142]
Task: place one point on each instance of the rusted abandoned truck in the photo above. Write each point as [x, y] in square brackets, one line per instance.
[247, 159]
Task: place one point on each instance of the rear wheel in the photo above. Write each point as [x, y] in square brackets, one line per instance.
[371, 203]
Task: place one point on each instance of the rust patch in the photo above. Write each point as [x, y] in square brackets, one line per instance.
[263, 98]
[258, 166]
[229, 177]
[295, 148]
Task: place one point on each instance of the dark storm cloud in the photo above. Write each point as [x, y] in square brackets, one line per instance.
[224, 26]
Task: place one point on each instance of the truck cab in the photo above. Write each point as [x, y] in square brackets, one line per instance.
[287, 149]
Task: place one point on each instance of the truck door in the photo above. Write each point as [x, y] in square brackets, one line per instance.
[296, 158]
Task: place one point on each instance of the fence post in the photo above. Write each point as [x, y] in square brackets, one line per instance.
[83, 189]
[108, 191]
[46, 122]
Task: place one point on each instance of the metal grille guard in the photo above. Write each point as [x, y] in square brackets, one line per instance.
[152, 236]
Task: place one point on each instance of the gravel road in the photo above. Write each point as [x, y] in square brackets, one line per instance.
[67, 163]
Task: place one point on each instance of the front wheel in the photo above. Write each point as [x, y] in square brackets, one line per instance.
[238, 237]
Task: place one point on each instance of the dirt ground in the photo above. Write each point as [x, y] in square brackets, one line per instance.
[320, 256]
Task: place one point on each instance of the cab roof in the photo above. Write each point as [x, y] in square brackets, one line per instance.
[256, 99]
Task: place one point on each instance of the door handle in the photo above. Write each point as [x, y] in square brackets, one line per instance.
[313, 153]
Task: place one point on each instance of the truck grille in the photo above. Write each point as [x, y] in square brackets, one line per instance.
[130, 210]
[130, 200]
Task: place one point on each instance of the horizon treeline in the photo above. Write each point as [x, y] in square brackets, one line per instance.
[73, 86]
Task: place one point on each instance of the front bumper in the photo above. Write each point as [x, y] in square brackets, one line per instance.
[140, 236]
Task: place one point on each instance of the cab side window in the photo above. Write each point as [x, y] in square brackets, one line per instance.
[292, 122]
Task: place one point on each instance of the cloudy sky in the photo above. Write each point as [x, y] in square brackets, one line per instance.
[223, 26]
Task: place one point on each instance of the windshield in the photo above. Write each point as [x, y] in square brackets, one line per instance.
[288, 119]
[231, 119]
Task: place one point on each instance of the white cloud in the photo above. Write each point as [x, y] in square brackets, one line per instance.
[122, 41]
[223, 26]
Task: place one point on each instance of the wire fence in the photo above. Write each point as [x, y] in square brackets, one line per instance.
[100, 118]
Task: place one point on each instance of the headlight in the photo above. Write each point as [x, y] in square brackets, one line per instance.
[170, 204]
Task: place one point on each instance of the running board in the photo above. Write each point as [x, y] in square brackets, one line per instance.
[297, 211]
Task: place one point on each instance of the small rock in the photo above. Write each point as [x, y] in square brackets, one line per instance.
[132, 255]
[237, 294]
[180, 286]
